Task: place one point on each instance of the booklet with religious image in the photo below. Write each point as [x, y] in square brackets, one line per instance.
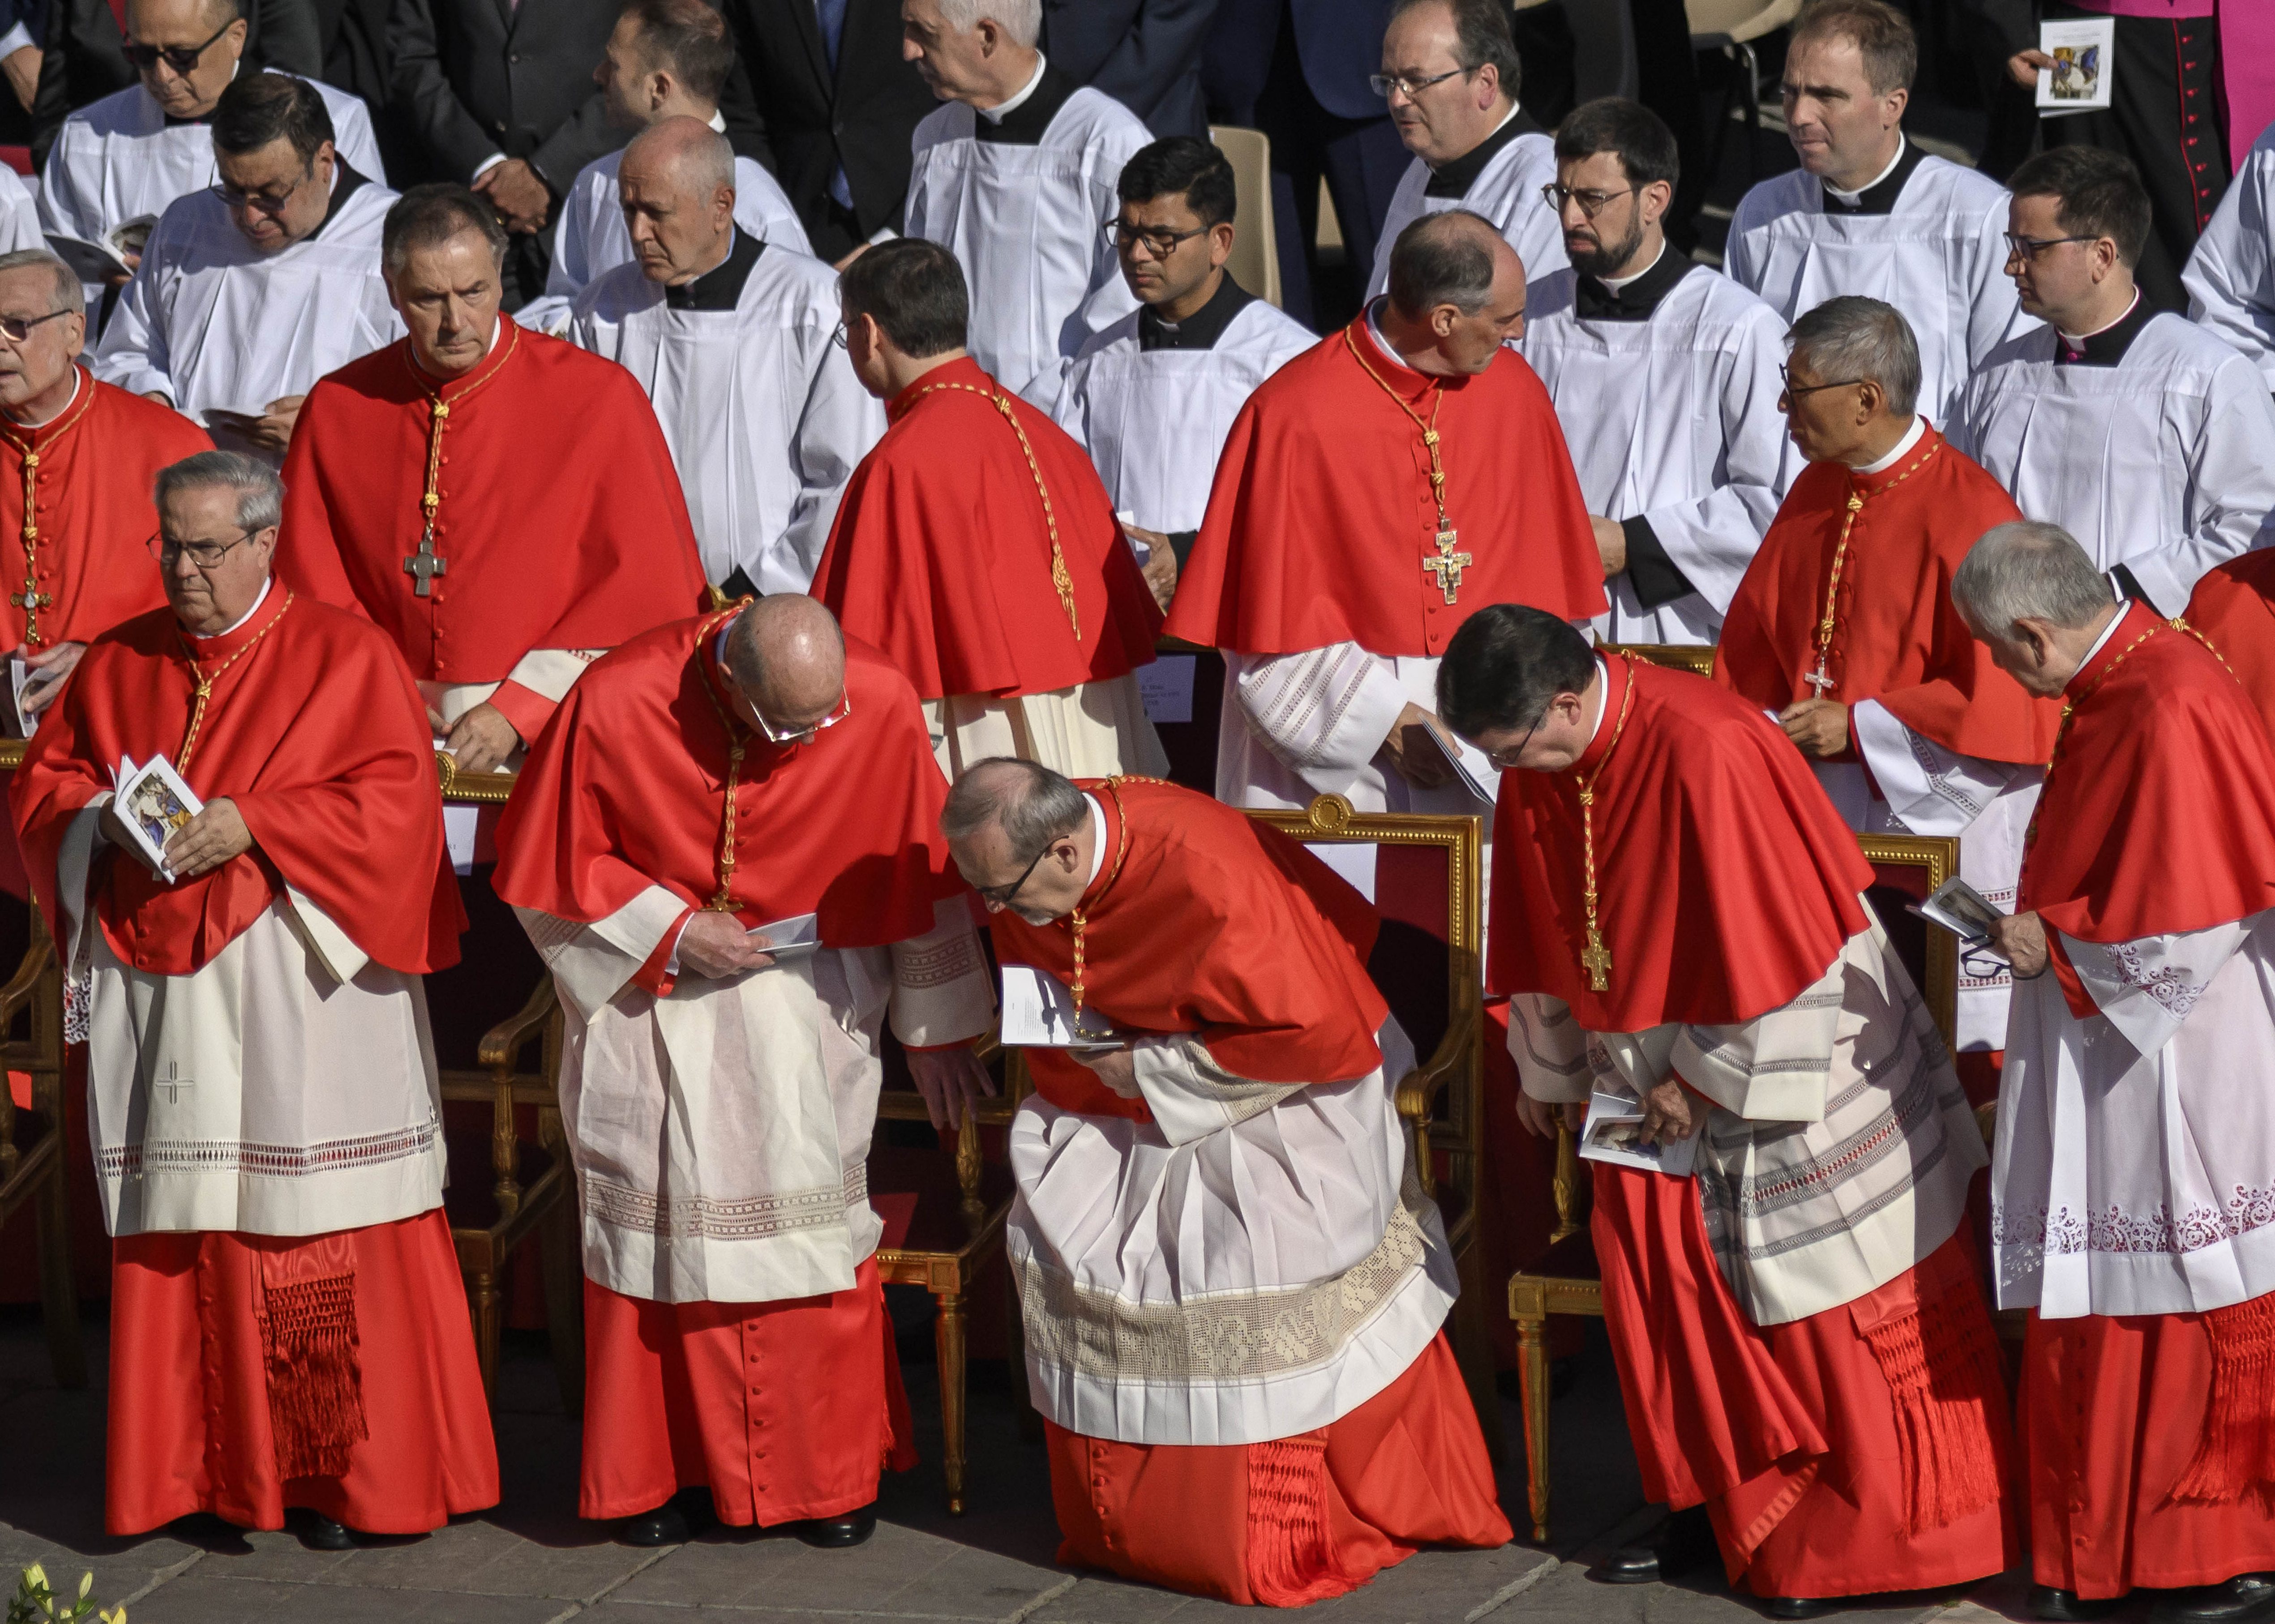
[21, 723]
[1614, 1133]
[154, 805]
[2084, 51]
[787, 938]
[100, 261]
[1961, 909]
[1039, 1013]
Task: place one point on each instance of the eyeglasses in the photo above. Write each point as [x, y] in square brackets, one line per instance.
[837, 337]
[1385, 83]
[205, 555]
[18, 328]
[266, 202]
[1159, 243]
[803, 735]
[1507, 760]
[1592, 203]
[1795, 391]
[2032, 247]
[1000, 896]
[181, 58]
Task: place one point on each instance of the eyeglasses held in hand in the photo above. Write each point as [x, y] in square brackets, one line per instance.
[1592, 203]
[181, 58]
[205, 555]
[1159, 242]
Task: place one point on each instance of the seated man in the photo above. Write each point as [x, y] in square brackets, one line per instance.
[1677, 920]
[251, 291]
[1186, 1448]
[291, 1325]
[731, 336]
[722, 1145]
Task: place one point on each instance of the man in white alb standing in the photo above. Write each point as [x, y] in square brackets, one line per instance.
[2231, 275]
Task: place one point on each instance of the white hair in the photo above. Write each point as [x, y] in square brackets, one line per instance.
[2021, 571]
[1021, 19]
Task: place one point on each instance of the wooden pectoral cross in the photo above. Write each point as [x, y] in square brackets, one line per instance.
[425, 566]
[1446, 567]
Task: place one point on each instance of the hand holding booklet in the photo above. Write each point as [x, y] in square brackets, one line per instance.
[154, 805]
[1614, 1133]
[1039, 1013]
[788, 938]
[1963, 911]
[1473, 769]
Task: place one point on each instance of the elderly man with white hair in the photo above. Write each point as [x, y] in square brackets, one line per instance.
[1015, 178]
[731, 337]
[2133, 1190]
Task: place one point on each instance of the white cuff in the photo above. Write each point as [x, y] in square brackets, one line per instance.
[1192, 1097]
[486, 166]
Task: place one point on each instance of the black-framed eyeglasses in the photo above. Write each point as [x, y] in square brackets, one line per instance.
[181, 58]
[837, 336]
[2032, 247]
[1159, 242]
[205, 555]
[266, 202]
[1000, 896]
[1507, 760]
[804, 736]
[1385, 83]
[1592, 203]
[18, 328]
[1795, 391]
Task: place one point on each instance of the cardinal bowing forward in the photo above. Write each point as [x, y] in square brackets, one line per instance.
[975, 547]
[289, 1325]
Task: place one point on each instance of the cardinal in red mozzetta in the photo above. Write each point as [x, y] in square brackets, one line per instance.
[719, 1099]
[976, 547]
[1242, 1089]
[1794, 1310]
[2233, 610]
[2135, 1140]
[290, 1326]
[1374, 494]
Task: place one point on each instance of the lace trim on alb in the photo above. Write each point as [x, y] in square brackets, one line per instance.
[755, 1218]
[2036, 1232]
[2169, 986]
[275, 1161]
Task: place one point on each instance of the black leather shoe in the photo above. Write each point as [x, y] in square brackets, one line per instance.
[836, 1533]
[1683, 1543]
[1627, 1564]
[1796, 1607]
[2246, 1596]
[2065, 1606]
[321, 1533]
[666, 1525]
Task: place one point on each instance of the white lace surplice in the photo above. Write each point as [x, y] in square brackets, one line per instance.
[1090, 730]
[2135, 1164]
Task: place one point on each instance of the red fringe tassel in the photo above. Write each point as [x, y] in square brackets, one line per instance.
[1944, 1371]
[315, 1378]
[1289, 1547]
[2237, 1454]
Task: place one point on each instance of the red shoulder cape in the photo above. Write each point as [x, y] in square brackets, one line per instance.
[2159, 812]
[313, 729]
[1897, 638]
[1322, 516]
[626, 789]
[941, 557]
[562, 519]
[2232, 609]
[1217, 925]
[1727, 882]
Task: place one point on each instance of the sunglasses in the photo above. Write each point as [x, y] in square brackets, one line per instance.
[181, 58]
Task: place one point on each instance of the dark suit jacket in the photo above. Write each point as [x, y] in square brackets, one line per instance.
[860, 117]
[477, 77]
[1145, 53]
[1338, 41]
[84, 62]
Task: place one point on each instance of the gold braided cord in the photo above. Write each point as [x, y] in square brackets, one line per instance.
[32, 600]
[738, 743]
[1429, 429]
[1595, 958]
[438, 418]
[1060, 579]
[1826, 623]
[206, 679]
[1078, 920]
[2069, 709]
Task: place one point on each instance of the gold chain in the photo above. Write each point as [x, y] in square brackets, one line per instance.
[1596, 959]
[206, 679]
[1826, 624]
[32, 600]
[1060, 579]
[1077, 920]
[1429, 429]
[738, 741]
[2069, 709]
[438, 418]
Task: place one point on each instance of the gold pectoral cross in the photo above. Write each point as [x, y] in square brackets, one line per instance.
[1596, 959]
[1446, 567]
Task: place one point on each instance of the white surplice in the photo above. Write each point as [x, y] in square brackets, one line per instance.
[1154, 421]
[211, 322]
[19, 213]
[2164, 462]
[2231, 275]
[590, 238]
[722, 1133]
[1091, 730]
[2134, 1171]
[1939, 256]
[1027, 221]
[1673, 419]
[118, 158]
[1505, 191]
[764, 415]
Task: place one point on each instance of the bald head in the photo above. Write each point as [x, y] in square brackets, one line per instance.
[677, 188]
[1457, 294]
[786, 657]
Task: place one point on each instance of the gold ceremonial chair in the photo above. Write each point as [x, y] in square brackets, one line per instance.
[32, 1151]
[531, 1191]
[1441, 1101]
[1569, 1281]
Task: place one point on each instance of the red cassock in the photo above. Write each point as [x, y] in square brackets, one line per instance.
[1897, 637]
[948, 556]
[2231, 611]
[1320, 527]
[313, 729]
[783, 1411]
[2158, 818]
[1186, 931]
[560, 523]
[1823, 1448]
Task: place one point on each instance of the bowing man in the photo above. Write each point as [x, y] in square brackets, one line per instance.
[249, 293]
[731, 336]
[1153, 396]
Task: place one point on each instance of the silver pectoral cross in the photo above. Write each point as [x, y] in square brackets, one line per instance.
[1818, 679]
[173, 1083]
[424, 565]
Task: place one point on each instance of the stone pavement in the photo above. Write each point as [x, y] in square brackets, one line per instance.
[531, 1561]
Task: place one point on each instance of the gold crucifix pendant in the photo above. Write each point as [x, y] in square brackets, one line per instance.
[1596, 959]
[1446, 567]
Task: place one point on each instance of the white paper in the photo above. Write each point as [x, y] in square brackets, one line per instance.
[20, 677]
[459, 823]
[154, 804]
[1964, 911]
[1610, 1134]
[1166, 688]
[2084, 52]
[786, 938]
[1471, 765]
[1039, 1014]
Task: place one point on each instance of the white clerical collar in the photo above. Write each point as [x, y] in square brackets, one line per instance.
[1096, 840]
[1003, 110]
[1603, 697]
[1374, 331]
[1849, 199]
[2076, 341]
[1902, 448]
[208, 637]
[77, 384]
[718, 122]
[1616, 283]
[2107, 632]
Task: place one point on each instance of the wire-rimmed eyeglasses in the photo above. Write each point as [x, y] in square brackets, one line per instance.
[803, 735]
[1795, 391]
[205, 555]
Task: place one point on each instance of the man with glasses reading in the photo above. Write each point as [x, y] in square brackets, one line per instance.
[131, 154]
[726, 995]
[1153, 396]
[252, 289]
[1664, 378]
[2143, 435]
[1844, 629]
[263, 1090]
[1450, 74]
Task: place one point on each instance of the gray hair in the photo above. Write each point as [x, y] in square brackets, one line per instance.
[1443, 258]
[700, 158]
[68, 296]
[1021, 19]
[260, 493]
[2025, 570]
[1856, 337]
[1034, 808]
